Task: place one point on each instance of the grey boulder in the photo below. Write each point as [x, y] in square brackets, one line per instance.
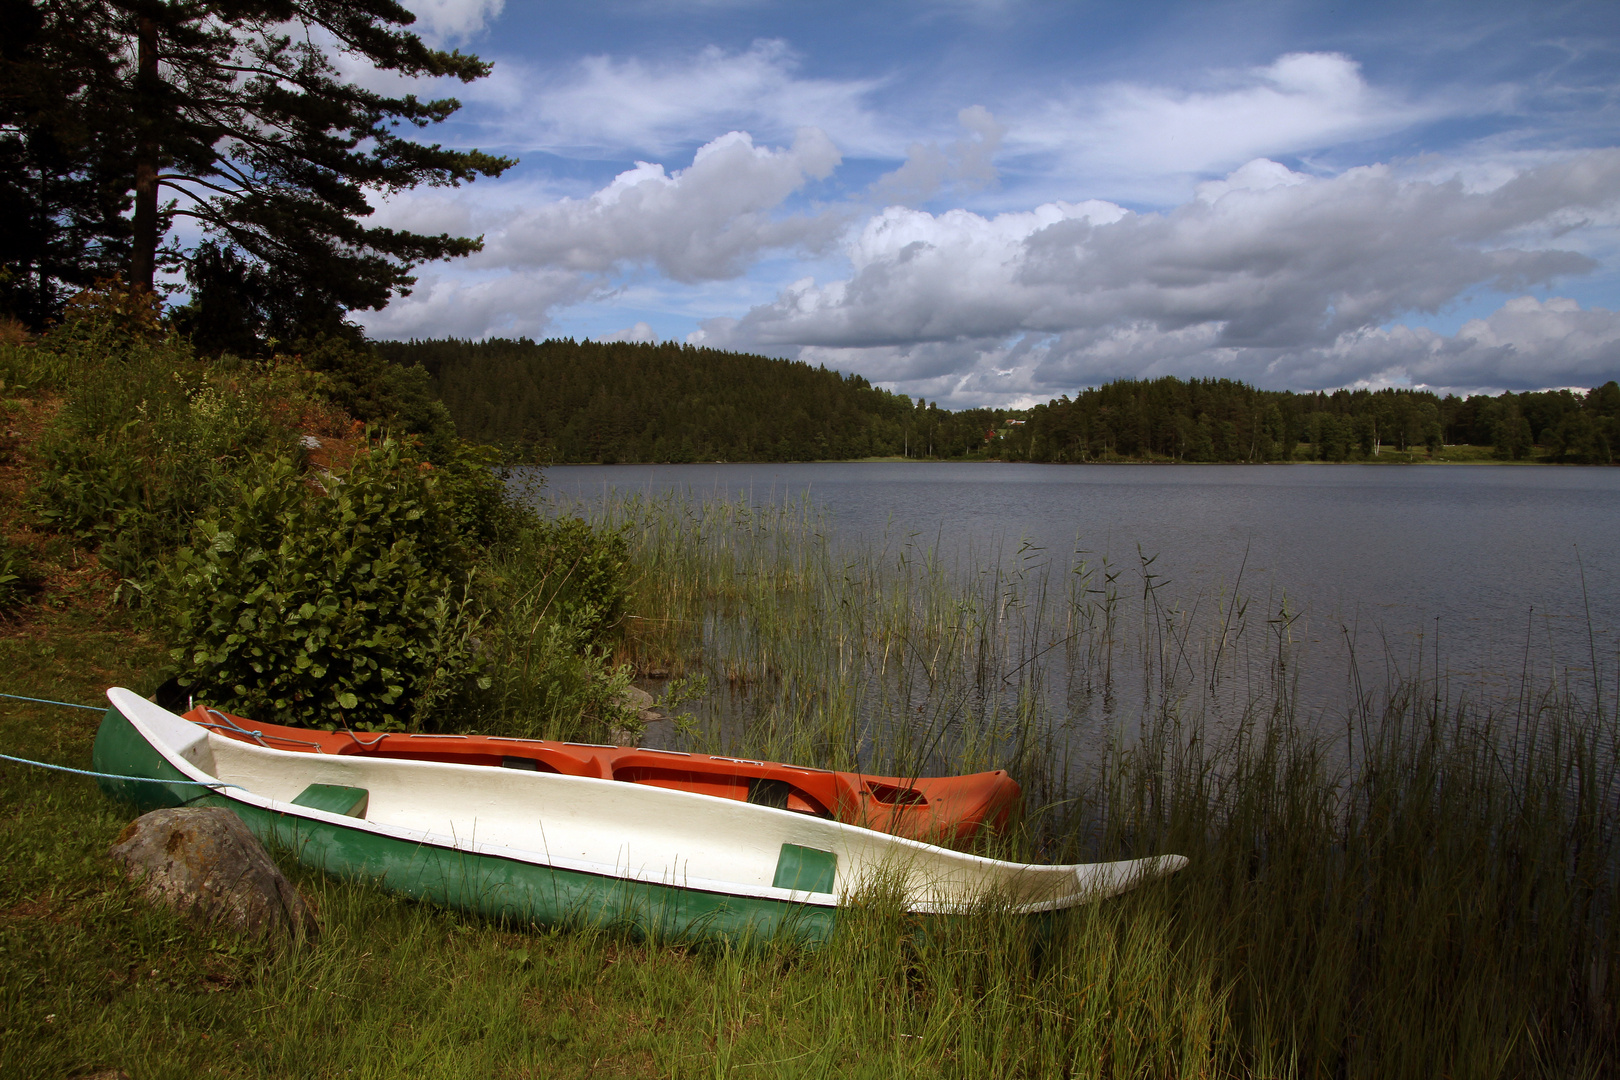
[203, 862]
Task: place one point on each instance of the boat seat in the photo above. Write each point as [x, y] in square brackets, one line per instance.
[805, 869]
[335, 799]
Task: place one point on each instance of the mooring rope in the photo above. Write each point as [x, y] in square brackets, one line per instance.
[116, 776]
[48, 701]
[101, 775]
[257, 736]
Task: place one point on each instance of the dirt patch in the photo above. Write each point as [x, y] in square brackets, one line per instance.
[21, 424]
[37, 908]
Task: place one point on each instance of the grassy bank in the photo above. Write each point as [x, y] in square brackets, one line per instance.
[1438, 900]
[1421, 886]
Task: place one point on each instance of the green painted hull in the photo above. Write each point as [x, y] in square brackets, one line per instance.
[489, 885]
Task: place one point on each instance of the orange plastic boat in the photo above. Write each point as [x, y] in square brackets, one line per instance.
[936, 809]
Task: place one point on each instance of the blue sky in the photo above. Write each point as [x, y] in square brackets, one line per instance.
[993, 203]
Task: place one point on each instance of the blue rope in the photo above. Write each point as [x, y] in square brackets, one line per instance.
[103, 775]
[116, 776]
[47, 701]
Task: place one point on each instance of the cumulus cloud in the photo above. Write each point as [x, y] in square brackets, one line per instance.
[1525, 344]
[506, 305]
[707, 222]
[1269, 275]
[1139, 139]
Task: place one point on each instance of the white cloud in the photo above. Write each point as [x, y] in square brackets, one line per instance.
[1148, 139]
[504, 305]
[444, 21]
[708, 222]
[1135, 139]
[1524, 344]
[1269, 276]
[705, 222]
[605, 104]
[641, 333]
[917, 276]
[968, 162]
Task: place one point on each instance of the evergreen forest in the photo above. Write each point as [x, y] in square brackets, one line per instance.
[566, 401]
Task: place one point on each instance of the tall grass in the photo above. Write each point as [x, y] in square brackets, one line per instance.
[1416, 884]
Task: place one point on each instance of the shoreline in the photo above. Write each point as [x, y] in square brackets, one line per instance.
[1388, 462]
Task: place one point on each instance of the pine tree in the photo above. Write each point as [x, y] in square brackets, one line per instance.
[232, 113]
[64, 170]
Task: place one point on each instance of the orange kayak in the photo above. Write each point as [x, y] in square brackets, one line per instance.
[936, 809]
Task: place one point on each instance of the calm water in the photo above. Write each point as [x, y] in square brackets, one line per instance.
[1487, 559]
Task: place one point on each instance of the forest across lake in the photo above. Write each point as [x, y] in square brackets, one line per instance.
[607, 402]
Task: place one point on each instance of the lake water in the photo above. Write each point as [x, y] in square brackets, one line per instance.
[1479, 565]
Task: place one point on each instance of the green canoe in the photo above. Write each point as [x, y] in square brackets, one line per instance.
[558, 849]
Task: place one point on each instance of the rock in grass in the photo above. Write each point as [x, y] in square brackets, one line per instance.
[203, 862]
[634, 698]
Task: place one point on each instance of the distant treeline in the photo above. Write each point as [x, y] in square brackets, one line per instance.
[587, 401]
[1220, 420]
[567, 401]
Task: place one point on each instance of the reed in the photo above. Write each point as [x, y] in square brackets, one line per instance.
[1416, 883]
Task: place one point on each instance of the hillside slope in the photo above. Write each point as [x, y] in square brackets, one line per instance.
[566, 401]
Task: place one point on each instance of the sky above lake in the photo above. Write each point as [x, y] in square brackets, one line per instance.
[1000, 202]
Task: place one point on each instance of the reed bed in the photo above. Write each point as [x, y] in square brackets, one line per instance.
[1415, 883]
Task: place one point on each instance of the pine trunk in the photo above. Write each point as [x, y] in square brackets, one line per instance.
[143, 258]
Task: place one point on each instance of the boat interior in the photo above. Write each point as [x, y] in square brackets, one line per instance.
[937, 809]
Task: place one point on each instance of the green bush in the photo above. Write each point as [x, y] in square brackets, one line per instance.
[149, 436]
[23, 367]
[357, 603]
[374, 391]
[554, 592]
[581, 574]
[346, 606]
[479, 504]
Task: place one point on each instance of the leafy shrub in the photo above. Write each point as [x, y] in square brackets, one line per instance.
[22, 367]
[374, 391]
[578, 574]
[345, 606]
[553, 593]
[354, 604]
[478, 501]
